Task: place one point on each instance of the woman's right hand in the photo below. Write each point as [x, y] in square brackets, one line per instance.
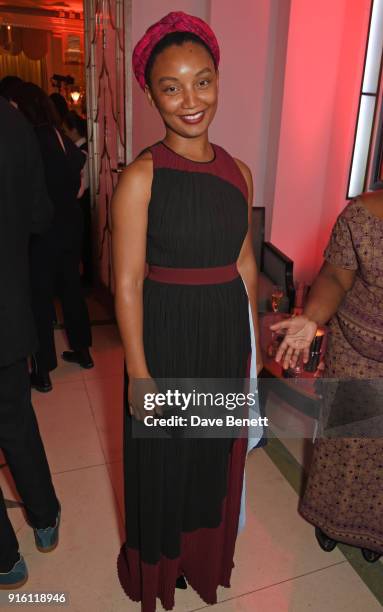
[138, 388]
[299, 333]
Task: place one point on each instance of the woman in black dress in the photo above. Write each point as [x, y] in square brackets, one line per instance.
[55, 256]
[183, 207]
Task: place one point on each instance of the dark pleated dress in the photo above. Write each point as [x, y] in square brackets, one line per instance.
[183, 496]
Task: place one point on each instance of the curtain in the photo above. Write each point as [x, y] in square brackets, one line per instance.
[20, 65]
[33, 42]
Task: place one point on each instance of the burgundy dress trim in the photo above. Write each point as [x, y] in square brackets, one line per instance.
[223, 165]
[213, 548]
[143, 582]
[193, 276]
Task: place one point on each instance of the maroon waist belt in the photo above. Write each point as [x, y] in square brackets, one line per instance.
[193, 276]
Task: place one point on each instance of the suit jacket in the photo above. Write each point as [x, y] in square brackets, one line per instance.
[25, 209]
[63, 179]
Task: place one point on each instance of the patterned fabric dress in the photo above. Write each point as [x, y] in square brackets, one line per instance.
[344, 493]
[183, 495]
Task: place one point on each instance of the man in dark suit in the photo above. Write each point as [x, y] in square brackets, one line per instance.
[25, 209]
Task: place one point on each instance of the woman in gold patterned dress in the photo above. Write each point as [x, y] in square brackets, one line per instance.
[344, 493]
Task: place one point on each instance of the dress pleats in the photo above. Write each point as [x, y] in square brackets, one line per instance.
[182, 496]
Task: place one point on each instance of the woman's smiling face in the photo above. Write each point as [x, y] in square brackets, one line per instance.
[184, 88]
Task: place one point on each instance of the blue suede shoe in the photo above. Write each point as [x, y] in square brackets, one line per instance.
[48, 538]
[16, 577]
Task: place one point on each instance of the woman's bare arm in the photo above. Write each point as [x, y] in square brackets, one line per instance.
[326, 295]
[328, 292]
[129, 227]
[247, 266]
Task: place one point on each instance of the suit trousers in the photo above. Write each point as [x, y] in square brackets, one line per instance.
[55, 263]
[87, 248]
[24, 452]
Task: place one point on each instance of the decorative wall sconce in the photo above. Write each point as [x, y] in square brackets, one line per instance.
[75, 95]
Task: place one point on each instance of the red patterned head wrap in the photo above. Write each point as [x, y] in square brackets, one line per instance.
[173, 22]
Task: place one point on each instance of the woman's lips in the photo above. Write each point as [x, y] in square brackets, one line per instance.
[193, 118]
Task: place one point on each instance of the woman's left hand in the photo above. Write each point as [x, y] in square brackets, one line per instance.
[299, 333]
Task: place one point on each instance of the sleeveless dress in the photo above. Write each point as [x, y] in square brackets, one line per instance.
[182, 496]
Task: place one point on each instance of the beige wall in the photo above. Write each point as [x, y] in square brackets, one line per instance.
[253, 36]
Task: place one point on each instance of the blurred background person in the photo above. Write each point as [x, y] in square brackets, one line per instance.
[344, 494]
[25, 209]
[75, 128]
[55, 257]
[60, 105]
[9, 86]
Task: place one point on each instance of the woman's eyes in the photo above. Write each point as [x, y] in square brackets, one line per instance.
[172, 89]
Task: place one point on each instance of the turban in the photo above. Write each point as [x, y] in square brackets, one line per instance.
[172, 22]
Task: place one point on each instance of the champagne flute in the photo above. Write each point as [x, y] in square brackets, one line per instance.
[276, 297]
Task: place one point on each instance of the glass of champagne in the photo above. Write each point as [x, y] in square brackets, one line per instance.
[276, 339]
[276, 298]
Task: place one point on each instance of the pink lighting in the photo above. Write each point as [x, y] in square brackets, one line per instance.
[320, 105]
